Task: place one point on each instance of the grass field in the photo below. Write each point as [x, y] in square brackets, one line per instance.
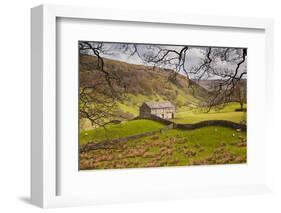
[133, 127]
[124, 129]
[174, 147]
[196, 115]
[205, 146]
[190, 117]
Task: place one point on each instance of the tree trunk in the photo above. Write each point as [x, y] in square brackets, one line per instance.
[241, 105]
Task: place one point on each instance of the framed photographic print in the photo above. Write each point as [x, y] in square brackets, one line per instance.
[133, 106]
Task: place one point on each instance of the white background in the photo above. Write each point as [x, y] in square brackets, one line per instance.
[15, 98]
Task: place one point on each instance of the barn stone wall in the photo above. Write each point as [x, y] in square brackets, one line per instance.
[107, 143]
[166, 113]
[145, 111]
[223, 123]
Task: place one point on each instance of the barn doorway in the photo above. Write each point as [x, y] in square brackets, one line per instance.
[162, 115]
[172, 115]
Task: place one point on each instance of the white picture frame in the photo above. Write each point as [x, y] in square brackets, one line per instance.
[44, 153]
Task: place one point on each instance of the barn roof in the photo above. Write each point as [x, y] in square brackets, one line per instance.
[159, 105]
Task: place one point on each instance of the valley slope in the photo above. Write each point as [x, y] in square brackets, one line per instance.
[143, 83]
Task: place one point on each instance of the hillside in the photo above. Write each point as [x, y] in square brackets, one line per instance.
[211, 84]
[143, 83]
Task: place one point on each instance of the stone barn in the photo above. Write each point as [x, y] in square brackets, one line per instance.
[164, 109]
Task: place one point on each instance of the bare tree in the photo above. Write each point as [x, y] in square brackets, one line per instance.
[98, 99]
[240, 94]
[225, 78]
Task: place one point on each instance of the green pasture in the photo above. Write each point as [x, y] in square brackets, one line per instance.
[174, 147]
[185, 115]
[124, 129]
[194, 115]
[190, 117]
[208, 145]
